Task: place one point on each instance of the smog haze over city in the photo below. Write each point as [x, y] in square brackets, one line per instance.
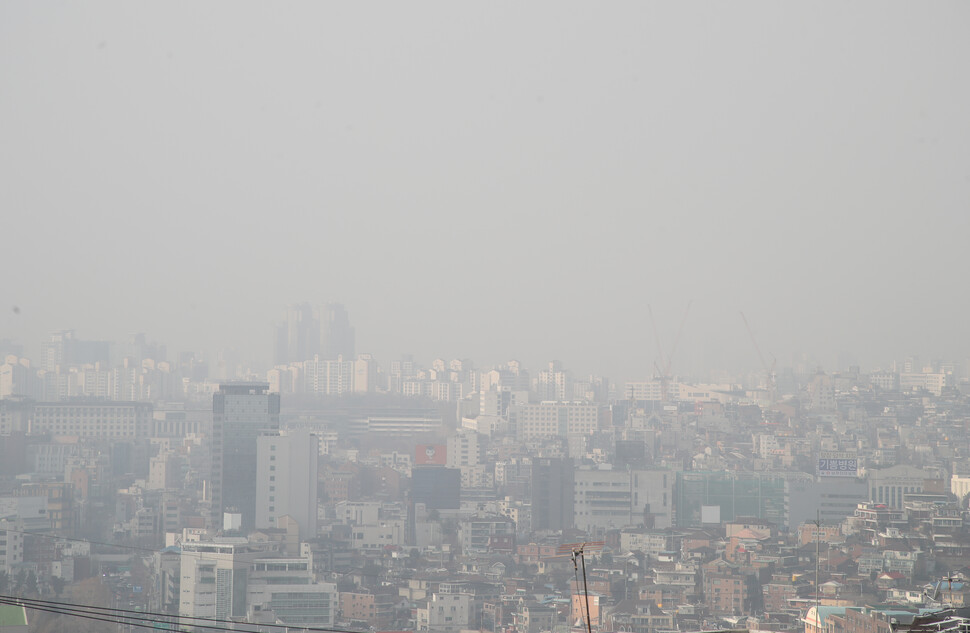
[494, 317]
[493, 180]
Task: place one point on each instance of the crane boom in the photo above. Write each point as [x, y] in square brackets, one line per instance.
[754, 342]
[769, 369]
[656, 337]
[680, 333]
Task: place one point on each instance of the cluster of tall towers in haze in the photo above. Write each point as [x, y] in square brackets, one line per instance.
[309, 331]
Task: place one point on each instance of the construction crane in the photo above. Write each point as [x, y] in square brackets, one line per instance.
[664, 363]
[769, 369]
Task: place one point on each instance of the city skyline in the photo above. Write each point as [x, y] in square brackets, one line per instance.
[666, 362]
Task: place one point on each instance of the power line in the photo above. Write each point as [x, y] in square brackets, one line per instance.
[78, 540]
[137, 615]
[201, 555]
[121, 615]
[86, 616]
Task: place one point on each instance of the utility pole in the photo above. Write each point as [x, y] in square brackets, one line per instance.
[578, 553]
[589, 621]
[818, 535]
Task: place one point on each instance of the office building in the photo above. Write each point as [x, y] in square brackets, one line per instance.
[437, 487]
[888, 485]
[93, 419]
[283, 591]
[552, 493]
[286, 480]
[715, 496]
[551, 419]
[214, 577]
[831, 500]
[241, 412]
[606, 499]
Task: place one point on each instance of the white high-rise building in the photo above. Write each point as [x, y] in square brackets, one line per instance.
[554, 383]
[286, 480]
[11, 545]
[330, 377]
[17, 378]
[465, 448]
[365, 374]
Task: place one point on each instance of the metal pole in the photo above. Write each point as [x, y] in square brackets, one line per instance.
[576, 574]
[589, 622]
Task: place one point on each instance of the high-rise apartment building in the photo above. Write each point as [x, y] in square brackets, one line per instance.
[337, 337]
[241, 412]
[63, 348]
[365, 374]
[286, 480]
[17, 378]
[307, 332]
[331, 377]
[554, 383]
[58, 349]
[298, 336]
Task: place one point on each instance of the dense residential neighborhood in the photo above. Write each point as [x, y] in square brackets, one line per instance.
[449, 498]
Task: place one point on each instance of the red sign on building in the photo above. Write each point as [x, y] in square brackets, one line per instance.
[430, 455]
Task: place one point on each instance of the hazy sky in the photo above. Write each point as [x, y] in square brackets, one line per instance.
[491, 180]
